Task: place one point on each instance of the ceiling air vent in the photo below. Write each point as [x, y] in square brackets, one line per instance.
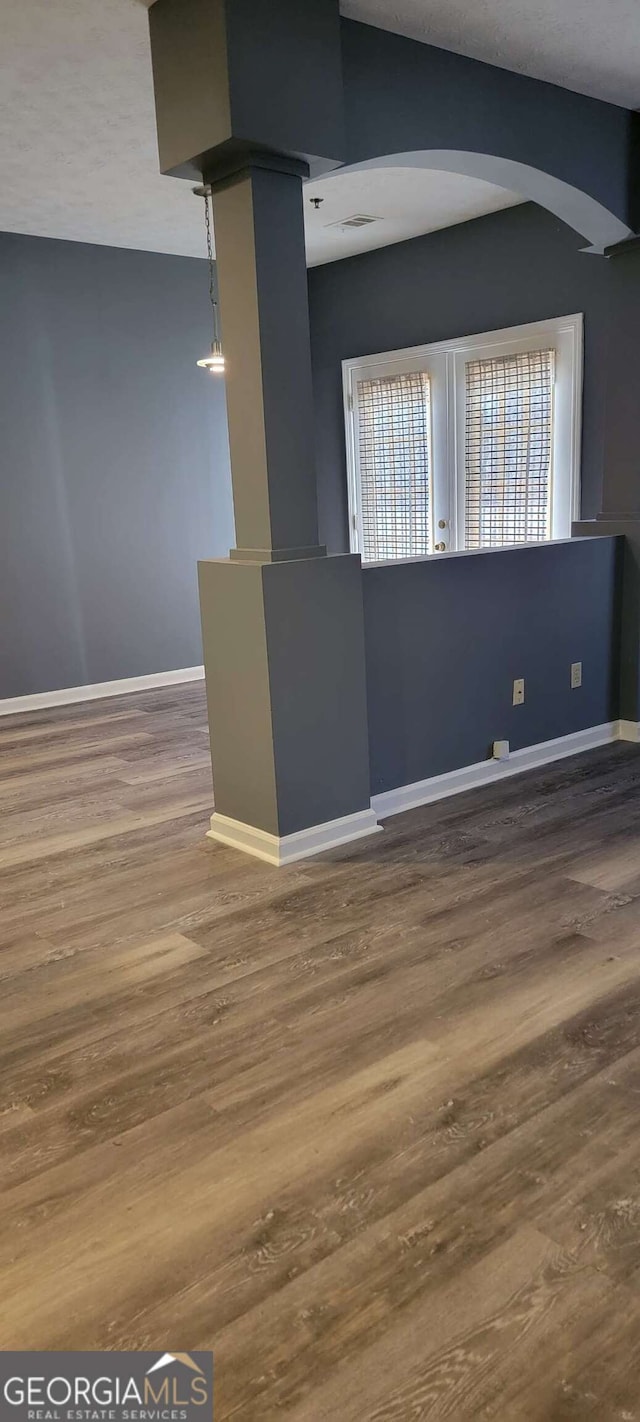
[359, 219]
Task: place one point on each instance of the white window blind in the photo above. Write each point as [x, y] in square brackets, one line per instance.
[393, 422]
[466, 443]
[508, 449]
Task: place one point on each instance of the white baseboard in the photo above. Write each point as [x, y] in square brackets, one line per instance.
[485, 772]
[67, 695]
[289, 848]
[286, 849]
[628, 731]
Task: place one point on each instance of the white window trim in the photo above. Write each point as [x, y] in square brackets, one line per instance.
[445, 361]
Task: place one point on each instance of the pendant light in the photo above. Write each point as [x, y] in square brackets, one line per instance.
[215, 361]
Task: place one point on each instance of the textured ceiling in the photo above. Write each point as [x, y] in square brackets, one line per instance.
[78, 156]
[404, 201]
[592, 46]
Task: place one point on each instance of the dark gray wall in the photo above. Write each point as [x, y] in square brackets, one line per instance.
[629, 607]
[405, 96]
[502, 270]
[114, 463]
[114, 473]
[446, 637]
[622, 442]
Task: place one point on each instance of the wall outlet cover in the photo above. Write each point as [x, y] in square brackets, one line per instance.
[576, 675]
[518, 691]
[500, 750]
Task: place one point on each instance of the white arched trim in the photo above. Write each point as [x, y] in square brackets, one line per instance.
[596, 223]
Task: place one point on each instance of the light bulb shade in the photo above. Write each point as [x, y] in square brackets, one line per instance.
[215, 361]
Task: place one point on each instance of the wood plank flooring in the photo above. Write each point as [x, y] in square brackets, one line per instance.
[368, 1127]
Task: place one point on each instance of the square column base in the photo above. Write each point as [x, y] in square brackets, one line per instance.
[627, 530]
[286, 692]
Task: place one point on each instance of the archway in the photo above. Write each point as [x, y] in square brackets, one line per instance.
[600, 227]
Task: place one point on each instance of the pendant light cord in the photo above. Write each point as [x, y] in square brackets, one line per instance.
[214, 362]
[212, 284]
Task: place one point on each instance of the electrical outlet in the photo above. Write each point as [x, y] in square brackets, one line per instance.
[518, 692]
[576, 675]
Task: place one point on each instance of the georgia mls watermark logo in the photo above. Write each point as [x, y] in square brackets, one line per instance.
[106, 1387]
